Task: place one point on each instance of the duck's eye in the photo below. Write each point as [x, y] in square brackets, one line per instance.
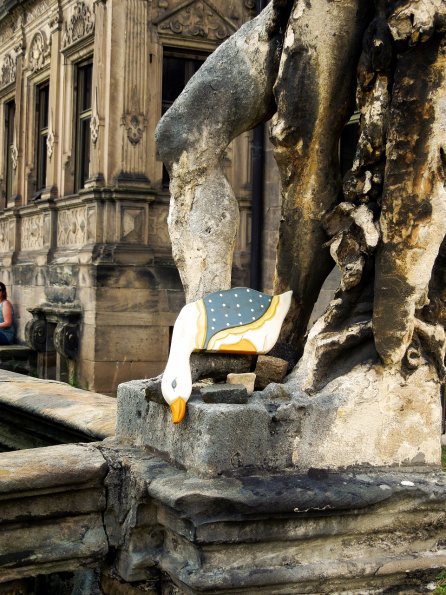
[174, 383]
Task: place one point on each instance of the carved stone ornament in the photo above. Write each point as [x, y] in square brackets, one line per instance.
[94, 121]
[196, 19]
[38, 52]
[135, 125]
[79, 26]
[8, 73]
[36, 333]
[50, 143]
[66, 339]
[14, 157]
[94, 128]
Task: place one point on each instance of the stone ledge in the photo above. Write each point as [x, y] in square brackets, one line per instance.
[14, 350]
[18, 358]
[285, 533]
[63, 413]
[51, 505]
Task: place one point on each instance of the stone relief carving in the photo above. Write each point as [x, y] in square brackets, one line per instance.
[4, 236]
[50, 143]
[79, 26]
[7, 29]
[94, 128]
[72, 227]
[196, 19]
[36, 10]
[38, 52]
[33, 233]
[94, 122]
[135, 125]
[8, 72]
[91, 224]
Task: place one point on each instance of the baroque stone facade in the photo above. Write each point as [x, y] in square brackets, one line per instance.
[83, 196]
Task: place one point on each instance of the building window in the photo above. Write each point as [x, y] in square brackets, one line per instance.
[178, 67]
[9, 144]
[42, 103]
[83, 100]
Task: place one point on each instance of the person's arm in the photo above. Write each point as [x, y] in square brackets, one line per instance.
[7, 315]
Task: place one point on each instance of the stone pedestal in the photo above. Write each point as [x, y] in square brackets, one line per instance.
[276, 533]
[368, 418]
[235, 510]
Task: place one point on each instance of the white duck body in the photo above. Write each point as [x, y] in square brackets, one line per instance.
[238, 320]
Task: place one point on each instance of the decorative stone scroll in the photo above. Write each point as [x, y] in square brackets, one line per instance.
[38, 52]
[36, 331]
[196, 19]
[66, 339]
[80, 25]
[8, 71]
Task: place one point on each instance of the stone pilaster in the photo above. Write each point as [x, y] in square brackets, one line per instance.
[53, 160]
[121, 94]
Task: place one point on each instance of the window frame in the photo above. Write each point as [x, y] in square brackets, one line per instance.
[81, 121]
[189, 55]
[42, 118]
[8, 144]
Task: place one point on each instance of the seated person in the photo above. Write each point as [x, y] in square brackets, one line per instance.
[7, 319]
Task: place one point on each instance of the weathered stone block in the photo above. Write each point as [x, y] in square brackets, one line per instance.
[247, 380]
[269, 369]
[235, 394]
[212, 439]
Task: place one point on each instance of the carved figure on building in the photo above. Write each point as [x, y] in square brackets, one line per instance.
[8, 72]
[384, 227]
[195, 19]
[38, 51]
[79, 25]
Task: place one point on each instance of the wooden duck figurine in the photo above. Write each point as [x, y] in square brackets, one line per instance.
[238, 320]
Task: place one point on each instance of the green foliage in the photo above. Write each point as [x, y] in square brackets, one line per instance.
[440, 589]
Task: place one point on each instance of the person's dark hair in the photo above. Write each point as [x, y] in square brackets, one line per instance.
[3, 293]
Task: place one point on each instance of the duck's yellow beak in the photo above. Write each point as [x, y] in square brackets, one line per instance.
[178, 409]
